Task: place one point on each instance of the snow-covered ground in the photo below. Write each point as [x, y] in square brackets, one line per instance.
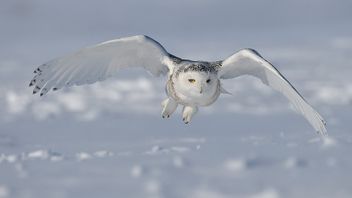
[109, 140]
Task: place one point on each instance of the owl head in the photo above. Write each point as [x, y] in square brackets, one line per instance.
[197, 80]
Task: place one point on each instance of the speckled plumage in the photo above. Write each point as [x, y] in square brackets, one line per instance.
[199, 67]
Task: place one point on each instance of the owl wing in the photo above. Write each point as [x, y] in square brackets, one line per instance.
[96, 63]
[250, 62]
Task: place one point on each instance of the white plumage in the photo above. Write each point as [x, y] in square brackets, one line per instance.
[190, 83]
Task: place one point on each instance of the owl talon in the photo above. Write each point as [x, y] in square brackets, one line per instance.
[186, 120]
[188, 113]
[165, 116]
[169, 106]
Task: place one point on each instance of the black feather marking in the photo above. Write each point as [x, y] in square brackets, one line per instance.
[32, 82]
[197, 67]
[55, 89]
[44, 91]
[200, 67]
[36, 89]
[37, 71]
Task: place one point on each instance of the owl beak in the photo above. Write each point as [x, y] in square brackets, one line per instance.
[201, 90]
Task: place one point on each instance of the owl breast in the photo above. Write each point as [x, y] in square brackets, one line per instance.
[182, 96]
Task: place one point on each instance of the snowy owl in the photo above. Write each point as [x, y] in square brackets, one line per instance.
[189, 83]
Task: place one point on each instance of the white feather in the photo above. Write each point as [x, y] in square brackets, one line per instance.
[101, 61]
[249, 62]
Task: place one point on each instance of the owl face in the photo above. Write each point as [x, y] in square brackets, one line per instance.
[195, 83]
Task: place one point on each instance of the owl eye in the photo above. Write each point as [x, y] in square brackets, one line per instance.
[208, 81]
[191, 80]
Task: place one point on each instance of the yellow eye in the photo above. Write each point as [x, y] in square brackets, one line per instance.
[191, 80]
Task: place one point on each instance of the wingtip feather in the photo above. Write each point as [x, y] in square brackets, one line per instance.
[322, 131]
[32, 82]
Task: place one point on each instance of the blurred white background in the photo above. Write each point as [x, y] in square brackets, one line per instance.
[107, 139]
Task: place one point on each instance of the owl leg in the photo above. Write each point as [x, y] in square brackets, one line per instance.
[188, 112]
[169, 106]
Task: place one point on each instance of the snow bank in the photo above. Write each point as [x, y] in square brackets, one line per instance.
[4, 192]
[142, 96]
[85, 102]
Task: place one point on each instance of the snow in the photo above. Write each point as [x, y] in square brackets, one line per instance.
[235, 165]
[342, 43]
[109, 140]
[267, 193]
[39, 154]
[136, 171]
[83, 156]
[15, 103]
[103, 153]
[293, 162]
[329, 142]
[4, 192]
[11, 158]
[179, 162]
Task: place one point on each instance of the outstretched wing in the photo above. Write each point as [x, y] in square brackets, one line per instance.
[101, 61]
[250, 62]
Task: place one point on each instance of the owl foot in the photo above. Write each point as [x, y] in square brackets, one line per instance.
[169, 106]
[188, 113]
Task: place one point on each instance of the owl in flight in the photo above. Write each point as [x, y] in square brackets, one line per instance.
[189, 83]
